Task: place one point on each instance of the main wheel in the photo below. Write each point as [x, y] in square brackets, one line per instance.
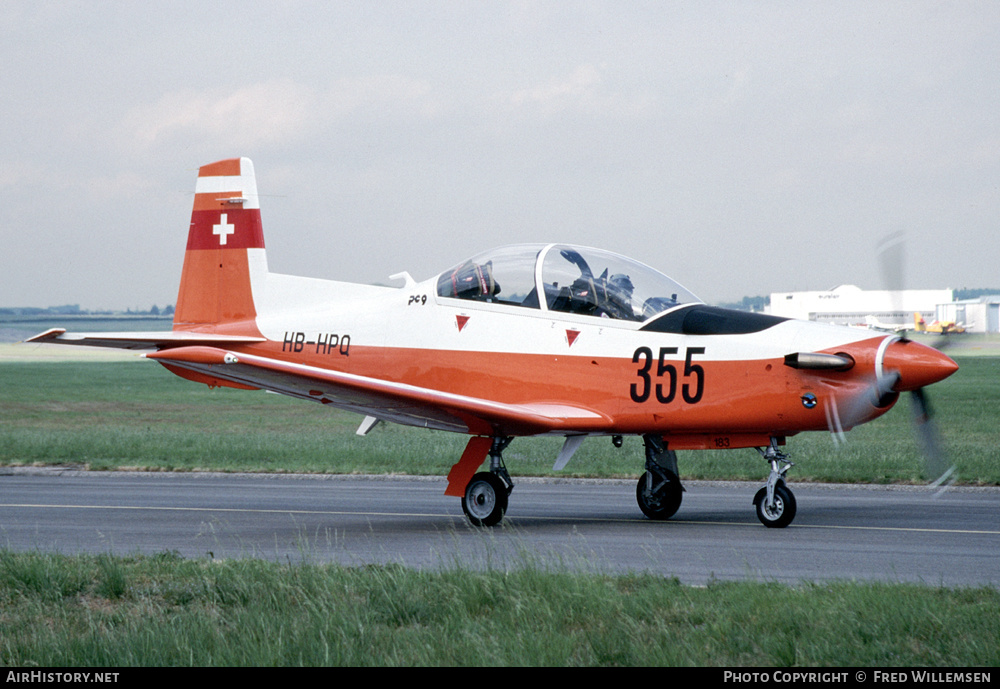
[783, 512]
[485, 499]
[664, 502]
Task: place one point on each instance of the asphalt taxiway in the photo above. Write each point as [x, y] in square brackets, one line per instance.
[884, 533]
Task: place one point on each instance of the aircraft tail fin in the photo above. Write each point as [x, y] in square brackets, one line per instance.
[918, 322]
[225, 256]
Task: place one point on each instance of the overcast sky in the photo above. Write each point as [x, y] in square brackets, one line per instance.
[740, 147]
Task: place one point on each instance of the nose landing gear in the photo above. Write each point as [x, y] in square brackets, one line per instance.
[775, 502]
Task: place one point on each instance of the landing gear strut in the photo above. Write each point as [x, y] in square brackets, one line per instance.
[775, 503]
[485, 499]
[659, 490]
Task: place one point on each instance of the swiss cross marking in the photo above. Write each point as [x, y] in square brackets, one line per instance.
[223, 229]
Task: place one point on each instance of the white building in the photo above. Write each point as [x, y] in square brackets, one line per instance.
[851, 305]
[980, 315]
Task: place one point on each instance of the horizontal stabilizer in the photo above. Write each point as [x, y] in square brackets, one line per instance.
[140, 340]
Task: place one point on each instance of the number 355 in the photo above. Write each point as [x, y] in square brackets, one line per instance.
[666, 376]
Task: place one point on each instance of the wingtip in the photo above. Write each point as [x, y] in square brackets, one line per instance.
[50, 334]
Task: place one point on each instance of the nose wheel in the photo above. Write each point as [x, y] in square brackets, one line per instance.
[775, 502]
[778, 513]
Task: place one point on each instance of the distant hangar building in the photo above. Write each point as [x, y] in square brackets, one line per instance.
[979, 315]
[851, 305]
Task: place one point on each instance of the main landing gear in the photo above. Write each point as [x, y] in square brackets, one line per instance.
[485, 499]
[659, 490]
[775, 503]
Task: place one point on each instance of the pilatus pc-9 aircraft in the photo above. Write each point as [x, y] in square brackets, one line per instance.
[546, 339]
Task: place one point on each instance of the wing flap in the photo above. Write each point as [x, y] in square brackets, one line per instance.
[388, 400]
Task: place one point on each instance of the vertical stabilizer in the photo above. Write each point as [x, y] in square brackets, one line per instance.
[225, 251]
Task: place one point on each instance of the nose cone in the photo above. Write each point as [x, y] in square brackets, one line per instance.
[917, 364]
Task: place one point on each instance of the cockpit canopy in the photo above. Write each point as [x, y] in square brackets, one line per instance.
[571, 279]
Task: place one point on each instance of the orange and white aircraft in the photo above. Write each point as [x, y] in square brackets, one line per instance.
[525, 340]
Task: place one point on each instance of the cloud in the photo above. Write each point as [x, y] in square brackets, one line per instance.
[251, 115]
[580, 86]
[15, 173]
[269, 113]
[584, 90]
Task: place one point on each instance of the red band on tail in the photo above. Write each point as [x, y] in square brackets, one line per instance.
[219, 271]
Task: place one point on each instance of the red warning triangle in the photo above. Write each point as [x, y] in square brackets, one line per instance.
[461, 320]
[571, 336]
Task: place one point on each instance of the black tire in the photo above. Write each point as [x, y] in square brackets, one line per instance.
[665, 503]
[485, 500]
[784, 507]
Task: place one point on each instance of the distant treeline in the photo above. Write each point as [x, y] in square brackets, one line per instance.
[748, 304]
[966, 293]
[8, 313]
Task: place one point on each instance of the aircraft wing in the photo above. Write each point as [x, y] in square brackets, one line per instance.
[386, 400]
[139, 339]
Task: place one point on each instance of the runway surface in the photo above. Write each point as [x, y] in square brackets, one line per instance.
[841, 532]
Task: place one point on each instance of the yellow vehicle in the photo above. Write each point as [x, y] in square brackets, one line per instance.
[943, 327]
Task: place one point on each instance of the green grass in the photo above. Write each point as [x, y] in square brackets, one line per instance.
[101, 611]
[98, 611]
[133, 414]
